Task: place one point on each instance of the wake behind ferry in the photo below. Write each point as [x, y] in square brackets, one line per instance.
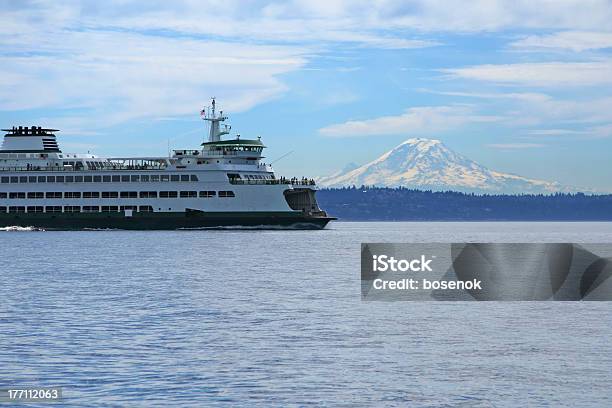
[223, 184]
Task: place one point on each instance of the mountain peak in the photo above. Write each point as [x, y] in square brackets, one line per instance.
[428, 164]
[419, 141]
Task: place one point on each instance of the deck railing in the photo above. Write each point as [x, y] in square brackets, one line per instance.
[72, 169]
[295, 182]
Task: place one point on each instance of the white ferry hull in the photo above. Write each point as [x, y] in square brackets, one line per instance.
[223, 184]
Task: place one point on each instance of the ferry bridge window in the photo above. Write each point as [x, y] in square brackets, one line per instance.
[146, 208]
[135, 178]
[174, 177]
[184, 177]
[87, 179]
[53, 209]
[129, 194]
[144, 177]
[16, 209]
[188, 194]
[116, 179]
[110, 194]
[193, 177]
[59, 179]
[226, 194]
[23, 179]
[207, 194]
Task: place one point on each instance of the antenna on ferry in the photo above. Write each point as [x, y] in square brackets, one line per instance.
[215, 129]
[282, 157]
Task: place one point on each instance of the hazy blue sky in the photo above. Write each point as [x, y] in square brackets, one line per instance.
[520, 86]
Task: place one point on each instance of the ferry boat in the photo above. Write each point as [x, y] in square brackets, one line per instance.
[222, 184]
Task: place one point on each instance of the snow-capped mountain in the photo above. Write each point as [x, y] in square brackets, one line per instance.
[429, 165]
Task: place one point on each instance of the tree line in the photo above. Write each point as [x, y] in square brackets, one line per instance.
[404, 204]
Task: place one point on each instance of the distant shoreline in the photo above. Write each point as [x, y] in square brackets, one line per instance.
[402, 204]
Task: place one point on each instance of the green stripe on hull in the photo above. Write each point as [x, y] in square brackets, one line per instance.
[163, 220]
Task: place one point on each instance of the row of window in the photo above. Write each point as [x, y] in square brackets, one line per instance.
[75, 209]
[100, 179]
[116, 194]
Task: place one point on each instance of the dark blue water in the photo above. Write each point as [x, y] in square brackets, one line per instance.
[274, 318]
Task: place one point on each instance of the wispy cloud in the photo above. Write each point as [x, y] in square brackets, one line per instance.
[129, 75]
[567, 40]
[414, 121]
[523, 96]
[554, 132]
[536, 107]
[543, 74]
[513, 146]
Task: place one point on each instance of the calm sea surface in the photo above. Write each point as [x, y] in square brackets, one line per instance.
[274, 318]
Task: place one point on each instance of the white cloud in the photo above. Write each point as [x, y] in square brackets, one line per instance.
[521, 109]
[524, 96]
[493, 15]
[414, 121]
[128, 75]
[545, 74]
[570, 40]
[536, 107]
[555, 132]
[319, 18]
[603, 131]
[125, 60]
[514, 146]
[589, 132]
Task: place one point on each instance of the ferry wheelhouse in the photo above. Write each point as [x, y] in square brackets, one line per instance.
[222, 184]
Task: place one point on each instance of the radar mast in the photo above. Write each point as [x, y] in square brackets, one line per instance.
[216, 128]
